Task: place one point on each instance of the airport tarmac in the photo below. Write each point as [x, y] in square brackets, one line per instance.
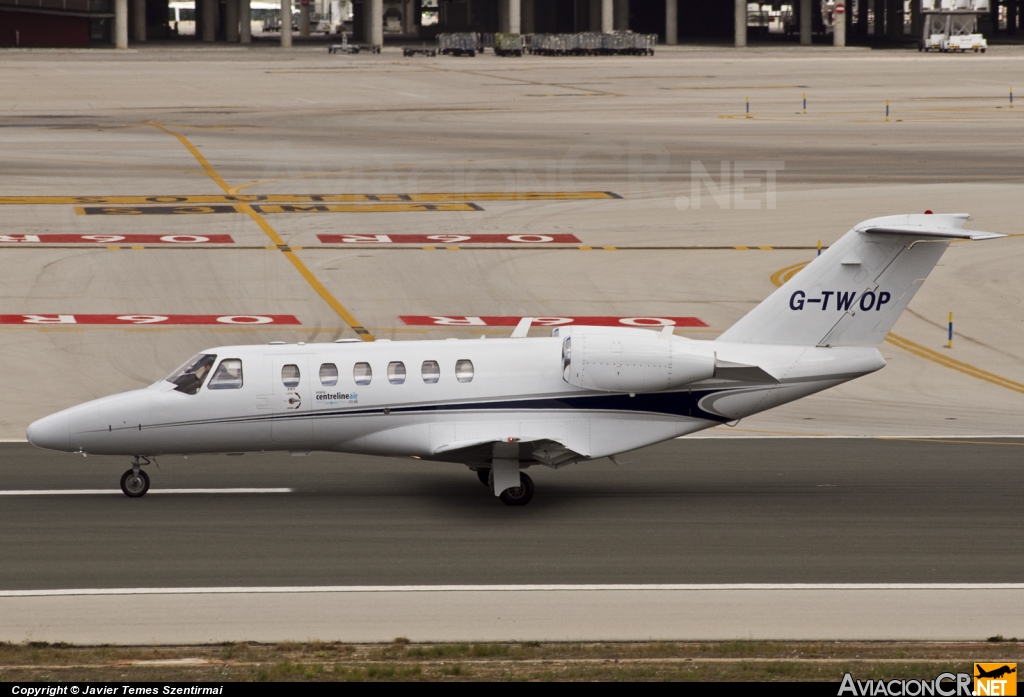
[704, 511]
[681, 237]
[692, 539]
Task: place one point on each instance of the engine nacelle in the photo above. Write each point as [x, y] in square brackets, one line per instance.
[632, 361]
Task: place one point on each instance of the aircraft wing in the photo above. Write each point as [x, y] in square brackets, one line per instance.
[545, 451]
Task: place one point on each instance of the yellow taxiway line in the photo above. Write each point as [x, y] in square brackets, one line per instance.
[230, 198]
[301, 267]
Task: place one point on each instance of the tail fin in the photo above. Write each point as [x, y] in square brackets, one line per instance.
[855, 291]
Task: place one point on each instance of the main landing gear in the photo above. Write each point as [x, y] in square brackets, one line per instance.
[135, 482]
[513, 496]
[518, 495]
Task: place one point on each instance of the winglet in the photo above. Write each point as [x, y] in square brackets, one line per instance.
[523, 328]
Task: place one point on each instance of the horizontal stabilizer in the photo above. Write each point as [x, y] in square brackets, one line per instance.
[932, 233]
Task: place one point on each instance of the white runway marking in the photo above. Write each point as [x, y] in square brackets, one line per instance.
[522, 588]
[91, 492]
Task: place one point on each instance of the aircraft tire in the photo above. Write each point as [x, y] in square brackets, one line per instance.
[133, 486]
[484, 475]
[520, 495]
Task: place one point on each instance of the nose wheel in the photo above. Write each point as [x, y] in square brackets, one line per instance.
[135, 482]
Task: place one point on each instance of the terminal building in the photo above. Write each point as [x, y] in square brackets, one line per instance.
[82, 23]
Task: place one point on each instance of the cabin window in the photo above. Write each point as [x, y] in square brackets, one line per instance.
[189, 377]
[362, 373]
[228, 375]
[431, 371]
[464, 370]
[396, 372]
[290, 375]
[328, 375]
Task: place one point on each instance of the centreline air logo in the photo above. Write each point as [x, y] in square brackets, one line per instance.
[995, 679]
[332, 397]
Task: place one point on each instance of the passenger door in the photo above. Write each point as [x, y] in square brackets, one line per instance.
[291, 401]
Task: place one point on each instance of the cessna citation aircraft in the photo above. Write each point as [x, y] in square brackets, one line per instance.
[500, 406]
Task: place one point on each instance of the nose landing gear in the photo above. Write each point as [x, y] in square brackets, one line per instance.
[135, 482]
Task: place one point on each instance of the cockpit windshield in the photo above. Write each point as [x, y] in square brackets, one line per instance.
[190, 377]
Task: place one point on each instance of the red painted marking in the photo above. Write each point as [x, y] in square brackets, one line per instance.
[65, 319]
[119, 239]
[449, 239]
[471, 321]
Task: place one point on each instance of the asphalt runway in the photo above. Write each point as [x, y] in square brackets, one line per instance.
[706, 511]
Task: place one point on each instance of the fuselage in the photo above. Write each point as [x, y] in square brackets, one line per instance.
[431, 399]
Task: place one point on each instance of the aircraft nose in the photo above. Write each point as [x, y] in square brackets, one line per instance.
[51, 432]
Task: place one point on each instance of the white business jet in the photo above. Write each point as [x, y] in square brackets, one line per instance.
[500, 406]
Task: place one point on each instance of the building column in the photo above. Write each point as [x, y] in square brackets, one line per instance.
[121, 23]
[621, 15]
[245, 22]
[209, 20]
[374, 22]
[839, 28]
[671, 22]
[741, 22]
[303, 18]
[879, 18]
[607, 16]
[138, 20]
[515, 17]
[806, 27]
[894, 20]
[286, 23]
[231, 20]
[916, 19]
[526, 16]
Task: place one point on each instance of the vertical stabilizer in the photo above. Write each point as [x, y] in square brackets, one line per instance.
[855, 291]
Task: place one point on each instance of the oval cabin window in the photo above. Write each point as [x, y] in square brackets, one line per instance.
[464, 370]
[431, 371]
[328, 375]
[290, 375]
[396, 372]
[362, 373]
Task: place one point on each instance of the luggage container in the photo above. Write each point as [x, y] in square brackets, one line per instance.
[508, 44]
[458, 44]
